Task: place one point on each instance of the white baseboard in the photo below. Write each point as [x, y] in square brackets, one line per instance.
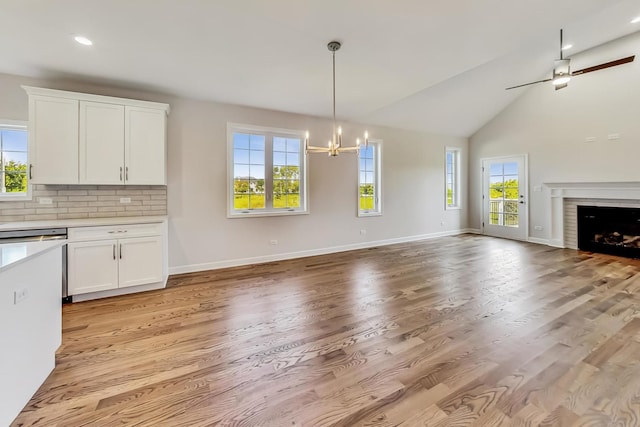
[473, 231]
[538, 241]
[119, 291]
[192, 268]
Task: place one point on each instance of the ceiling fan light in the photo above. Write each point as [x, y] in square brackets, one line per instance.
[83, 40]
[560, 80]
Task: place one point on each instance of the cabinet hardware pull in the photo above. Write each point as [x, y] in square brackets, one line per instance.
[117, 231]
[126, 173]
[120, 250]
[114, 251]
[120, 173]
[30, 170]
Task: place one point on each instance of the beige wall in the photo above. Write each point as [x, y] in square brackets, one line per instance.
[551, 127]
[201, 236]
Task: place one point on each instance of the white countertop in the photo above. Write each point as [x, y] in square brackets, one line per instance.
[84, 222]
[12, 254]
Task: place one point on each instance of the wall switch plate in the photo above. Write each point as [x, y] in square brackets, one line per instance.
[273, 242]
[363, 232]
[537, 188]
[538, 228]
[20, 295]
[45, 200]
[590, 139]
[613, 136]
[125, 199]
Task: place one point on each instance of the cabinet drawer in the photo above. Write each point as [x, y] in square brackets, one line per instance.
[114, 232]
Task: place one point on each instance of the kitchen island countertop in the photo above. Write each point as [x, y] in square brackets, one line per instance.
[13, 254]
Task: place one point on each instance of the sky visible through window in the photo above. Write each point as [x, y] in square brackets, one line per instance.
[367, 178]
[13, 160]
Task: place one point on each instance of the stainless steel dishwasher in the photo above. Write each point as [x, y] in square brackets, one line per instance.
[40, 234]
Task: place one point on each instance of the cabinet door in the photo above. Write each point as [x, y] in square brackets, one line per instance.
[101, 143]
[140, 260]
[53, 140]
[145, 146]
[93, 266]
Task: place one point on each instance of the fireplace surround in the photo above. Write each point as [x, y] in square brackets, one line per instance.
[589, 193]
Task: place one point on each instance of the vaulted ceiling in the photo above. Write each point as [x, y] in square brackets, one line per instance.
[431, 65]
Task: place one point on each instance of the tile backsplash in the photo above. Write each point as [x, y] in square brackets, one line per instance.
[86, 201]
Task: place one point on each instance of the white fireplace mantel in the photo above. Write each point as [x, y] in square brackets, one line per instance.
[558, 191]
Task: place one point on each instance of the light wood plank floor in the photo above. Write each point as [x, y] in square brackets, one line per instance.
[455, 331]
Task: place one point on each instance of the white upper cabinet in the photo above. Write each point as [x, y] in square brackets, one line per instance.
[78, 138]
[53, 140]
[101, 143]
[145, 159]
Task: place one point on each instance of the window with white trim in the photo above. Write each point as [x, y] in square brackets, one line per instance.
[13, 160]
[452, 178]
[267, 171]
[369, 179]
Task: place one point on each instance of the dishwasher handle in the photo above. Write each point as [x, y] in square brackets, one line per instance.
[31, 239]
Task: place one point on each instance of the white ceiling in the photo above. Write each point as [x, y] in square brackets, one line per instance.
[432, 65]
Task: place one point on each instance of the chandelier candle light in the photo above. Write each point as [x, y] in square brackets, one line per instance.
[335, 144]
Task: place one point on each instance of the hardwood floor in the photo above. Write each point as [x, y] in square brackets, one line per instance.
[456, 331]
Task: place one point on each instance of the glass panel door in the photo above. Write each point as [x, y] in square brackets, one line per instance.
[504, 190]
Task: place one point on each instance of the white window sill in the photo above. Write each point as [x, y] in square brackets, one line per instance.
[366, 214]
[253, 214]
[23, 198]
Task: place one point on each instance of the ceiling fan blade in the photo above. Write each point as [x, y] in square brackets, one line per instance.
[605, 65]
[528, 84]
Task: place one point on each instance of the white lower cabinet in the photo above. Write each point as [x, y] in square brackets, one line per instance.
[99, 262]
[140, 261]
[93, 266]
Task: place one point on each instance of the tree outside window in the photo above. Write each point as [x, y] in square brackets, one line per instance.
[13, 160]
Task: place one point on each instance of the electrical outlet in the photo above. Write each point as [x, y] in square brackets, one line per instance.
[45, 200]
[20, 295]
[590, 139]
[537, 188]
[273, 242]
[613, 136]
[538, 227]
[125, 199]
[363, 232]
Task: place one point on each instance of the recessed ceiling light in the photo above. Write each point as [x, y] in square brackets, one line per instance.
[83, 40]
[567, 46]
[635, 20]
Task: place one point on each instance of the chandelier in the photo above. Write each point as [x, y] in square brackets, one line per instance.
[335, 143]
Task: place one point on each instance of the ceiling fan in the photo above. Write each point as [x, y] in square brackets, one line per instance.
[562, 70]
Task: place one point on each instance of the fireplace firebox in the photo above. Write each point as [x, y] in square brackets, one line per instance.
[609, 230]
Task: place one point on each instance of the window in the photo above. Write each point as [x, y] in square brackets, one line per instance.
[267, 171]
[369, 190]
[452, 178]
[13, 160]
